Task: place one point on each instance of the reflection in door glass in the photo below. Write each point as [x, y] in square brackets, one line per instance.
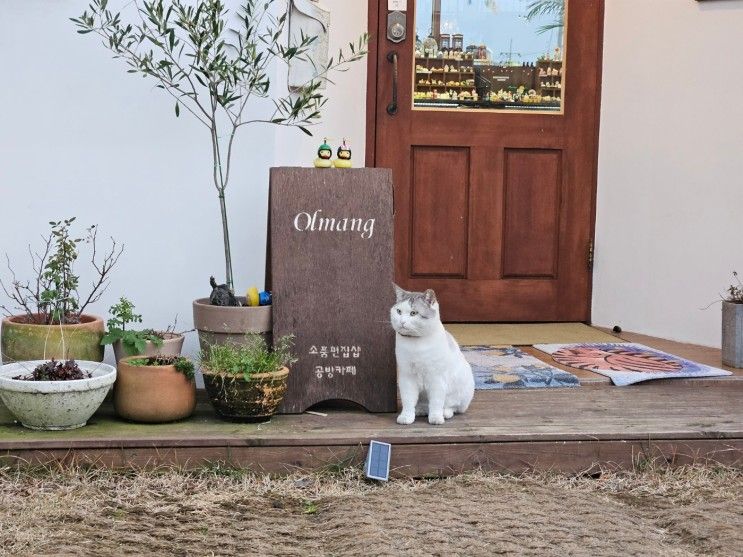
[492, 54]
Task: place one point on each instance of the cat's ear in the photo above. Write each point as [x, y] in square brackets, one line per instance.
[400, 294]
[430, 297]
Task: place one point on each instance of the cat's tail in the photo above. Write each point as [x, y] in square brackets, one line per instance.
[465, 404]
[469, 389]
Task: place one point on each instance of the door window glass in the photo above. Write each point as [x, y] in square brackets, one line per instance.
[489, 54]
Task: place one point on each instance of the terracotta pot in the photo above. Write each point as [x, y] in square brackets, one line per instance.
[172, 346]
[152, 394]
[229, 325]
[21, 341]
[238, 400]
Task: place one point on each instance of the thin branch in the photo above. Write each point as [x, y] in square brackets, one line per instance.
[103, 269]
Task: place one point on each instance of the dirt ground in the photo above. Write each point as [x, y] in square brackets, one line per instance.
[217, 511]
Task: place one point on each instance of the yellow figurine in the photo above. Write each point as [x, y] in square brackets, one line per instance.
[252, 297]
[323, 155]
[344, 157]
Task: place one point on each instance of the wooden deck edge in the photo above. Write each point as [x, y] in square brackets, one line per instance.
[355, 438]
[408, 460]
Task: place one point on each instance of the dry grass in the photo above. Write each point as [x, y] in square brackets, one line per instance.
[222, 511]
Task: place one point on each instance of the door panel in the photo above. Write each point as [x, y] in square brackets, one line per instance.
[494, 190]
[439, 229]
[532, 179]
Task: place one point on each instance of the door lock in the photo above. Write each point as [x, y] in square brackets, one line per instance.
[396, 27]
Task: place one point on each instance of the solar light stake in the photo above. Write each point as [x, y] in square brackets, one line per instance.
[377, 466]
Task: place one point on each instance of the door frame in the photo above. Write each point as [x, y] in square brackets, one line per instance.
[372, 70]
[374, 7]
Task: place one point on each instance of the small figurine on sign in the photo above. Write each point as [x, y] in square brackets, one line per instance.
[344, 157]
[323, 156]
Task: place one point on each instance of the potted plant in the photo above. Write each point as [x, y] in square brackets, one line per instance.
[155, 389]
[215, 72]
[52, 322]
[732, 324]
[134, 342]
[47, 394]
[247, 382]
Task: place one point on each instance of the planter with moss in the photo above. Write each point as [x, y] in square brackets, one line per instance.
[53, 322]
[247, 382]
[155, 389]
[55, 395]
[23, 338]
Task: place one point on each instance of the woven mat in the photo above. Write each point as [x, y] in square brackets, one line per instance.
[526, 334]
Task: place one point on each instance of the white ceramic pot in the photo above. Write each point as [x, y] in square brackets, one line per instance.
[54, 404]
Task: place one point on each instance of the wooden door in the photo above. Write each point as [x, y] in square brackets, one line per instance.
[494, 190]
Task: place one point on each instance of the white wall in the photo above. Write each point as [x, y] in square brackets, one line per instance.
[344, 116]
[81, 137]
[670, 185]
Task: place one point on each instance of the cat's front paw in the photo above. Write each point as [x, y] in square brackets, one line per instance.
[405, 419]
[436, 419]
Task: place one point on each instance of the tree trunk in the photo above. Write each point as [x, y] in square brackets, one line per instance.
[226, 238]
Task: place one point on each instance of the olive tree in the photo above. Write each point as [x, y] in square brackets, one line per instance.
[213, 63]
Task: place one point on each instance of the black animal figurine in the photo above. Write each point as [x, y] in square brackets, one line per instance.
[221, 295]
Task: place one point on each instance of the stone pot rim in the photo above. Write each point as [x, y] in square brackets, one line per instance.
[166, 367]
[168, 337]
[732, 303]
[171, 336]
[278, 374]
[86, 320]
[103, 376]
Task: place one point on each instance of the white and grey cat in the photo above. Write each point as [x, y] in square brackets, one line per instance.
[433, 376]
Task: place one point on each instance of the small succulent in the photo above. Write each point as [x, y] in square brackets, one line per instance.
[56, 371]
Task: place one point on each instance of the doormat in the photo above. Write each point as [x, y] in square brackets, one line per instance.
[627, 363]
[507, 367]
[524, 334]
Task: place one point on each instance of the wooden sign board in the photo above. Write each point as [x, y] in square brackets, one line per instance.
[331, 270]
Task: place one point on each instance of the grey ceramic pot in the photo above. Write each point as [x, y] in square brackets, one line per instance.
[732, 334]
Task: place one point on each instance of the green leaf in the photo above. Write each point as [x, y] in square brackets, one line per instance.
[110, 338]
[177, 109]
[140, 345]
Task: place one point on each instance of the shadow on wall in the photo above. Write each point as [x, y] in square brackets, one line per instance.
[709, 5]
